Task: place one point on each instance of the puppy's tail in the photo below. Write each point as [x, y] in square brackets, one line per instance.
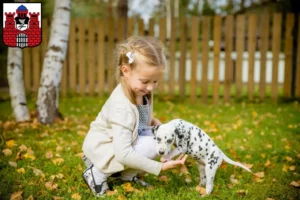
[228, 160]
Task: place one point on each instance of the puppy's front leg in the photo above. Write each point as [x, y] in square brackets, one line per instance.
[171, 155]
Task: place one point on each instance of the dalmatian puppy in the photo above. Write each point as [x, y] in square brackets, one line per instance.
[190, 139]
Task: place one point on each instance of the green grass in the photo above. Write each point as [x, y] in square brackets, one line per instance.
[252, 133]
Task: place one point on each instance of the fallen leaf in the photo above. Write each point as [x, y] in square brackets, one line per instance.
[16, 195]
[248, 165]
[288, 158]
[58, 161]
[21, 170]
[76, 196]
[23, 148]
[30, 198]
[242, 192]
[201, 190]
[49, 154]
[121, 197]
[81, 133]
[270, 199]
[295, 184]
[13, 164]
[233, 180]
[259, 174]
[10, 143]
[285, 168]
[127, 187]
[7, 152]
[267, 163]
[292, 168]
[37, 172]
[57, 198]
[111, 192]
[163, 178]
[50, 185]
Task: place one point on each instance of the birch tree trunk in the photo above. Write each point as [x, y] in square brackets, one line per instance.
[16, 84]
[47, 101]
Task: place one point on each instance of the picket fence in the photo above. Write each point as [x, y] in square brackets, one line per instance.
[89, 70]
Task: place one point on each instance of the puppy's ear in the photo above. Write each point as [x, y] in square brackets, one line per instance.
[154, 129]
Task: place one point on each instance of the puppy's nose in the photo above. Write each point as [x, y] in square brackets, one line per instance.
[161, 152]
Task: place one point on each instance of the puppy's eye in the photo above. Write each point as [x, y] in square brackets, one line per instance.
[169, 141]
[158, 139]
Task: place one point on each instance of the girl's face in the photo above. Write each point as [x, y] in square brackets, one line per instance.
[143, 79]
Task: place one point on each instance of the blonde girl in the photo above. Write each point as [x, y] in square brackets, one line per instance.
[120, 138]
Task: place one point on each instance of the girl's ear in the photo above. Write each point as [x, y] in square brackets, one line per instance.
[125, 70]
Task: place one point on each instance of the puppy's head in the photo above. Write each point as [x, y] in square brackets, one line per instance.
[165, 137]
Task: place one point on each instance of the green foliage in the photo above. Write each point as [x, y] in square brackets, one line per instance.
[45, 161]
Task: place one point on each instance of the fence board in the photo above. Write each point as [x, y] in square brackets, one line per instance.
[27, 68]
[91, 56]
[264, 35]
[297, 82]
[172, 56]
[81, 56]
[194, 56]
[141, 27]
[36, 67]
[72, 56]
[162, 37]
[205, 51]
[182, 64]
[251, 51]
[276, 40]
[130, 27]
[288, 52]
[228, 60]
[217, 44]
[63, 84]
[240, 46]
[100, 56]
[121, 26]
[110, 48]
[151, 27]
[45, 38]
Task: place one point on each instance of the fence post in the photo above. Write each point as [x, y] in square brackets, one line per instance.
[205, 54]
[101, 54]
[217, 45]
[276, 40]
[194, 57]
[162, 37]
[297, 93]
[228, 60]
[172, 56]
[288, 52]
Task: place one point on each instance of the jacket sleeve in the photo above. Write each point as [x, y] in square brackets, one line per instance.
[122, 122]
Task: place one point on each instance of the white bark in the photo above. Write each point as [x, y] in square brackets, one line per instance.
[47, 102]
[16, 84]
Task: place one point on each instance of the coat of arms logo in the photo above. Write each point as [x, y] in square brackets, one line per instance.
[22, 24]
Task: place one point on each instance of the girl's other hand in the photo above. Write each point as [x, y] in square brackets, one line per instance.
[173, 163]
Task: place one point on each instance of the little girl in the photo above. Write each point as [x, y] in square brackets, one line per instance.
[120, 138]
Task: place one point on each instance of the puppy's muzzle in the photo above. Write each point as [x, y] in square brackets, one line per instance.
[161, 152]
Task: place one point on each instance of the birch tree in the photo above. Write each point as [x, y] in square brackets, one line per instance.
[16, 84]
[47, 100]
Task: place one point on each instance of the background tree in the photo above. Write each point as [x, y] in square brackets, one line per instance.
[47, 101]
[16, 83]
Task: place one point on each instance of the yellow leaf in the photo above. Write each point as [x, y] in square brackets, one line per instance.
[242, 192]
[292, 168]
[254, 114]
[267, 163]
[7, 152]
[57, 198]
[259, 174]
[30, 198]
[121, 197]
[21, 170]
[23, 147]
[50, 185]
[76, 196]
[295, 184]
[111, 193]
[37, 172]
[270, 199]
[10, 143]
[269, 146]
[201, 190]
[163, 178]
[16, 195]
[248, 165]
[49, 154]
[288, 158]
[81, 133]
[285, 168]
[127, 187]
[233, 180]
[58, 161]
[13, 164]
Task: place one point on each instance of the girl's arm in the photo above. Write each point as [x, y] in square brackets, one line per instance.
[155, 122]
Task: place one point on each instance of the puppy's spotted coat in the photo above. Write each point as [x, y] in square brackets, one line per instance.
[190, 139]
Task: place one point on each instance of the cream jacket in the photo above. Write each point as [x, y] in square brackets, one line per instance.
[109, 141]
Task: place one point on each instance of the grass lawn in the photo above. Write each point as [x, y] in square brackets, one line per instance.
[44, 162]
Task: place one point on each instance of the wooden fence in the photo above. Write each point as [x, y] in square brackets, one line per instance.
[88, 68]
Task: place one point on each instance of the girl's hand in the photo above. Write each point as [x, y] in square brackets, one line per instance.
[173, 163]
[155, 122]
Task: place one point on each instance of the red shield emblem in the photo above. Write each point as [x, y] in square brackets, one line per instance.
[22, 25]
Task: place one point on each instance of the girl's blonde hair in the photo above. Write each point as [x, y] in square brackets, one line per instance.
[146, 49]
